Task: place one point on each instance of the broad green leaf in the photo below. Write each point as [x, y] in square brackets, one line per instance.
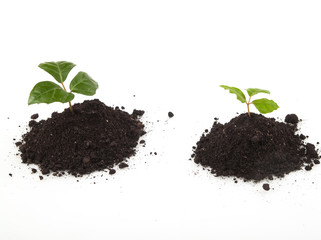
[254, 91]
[265, 105]
[83, 84]
[239, 94]
[49, 92]
[59, 70]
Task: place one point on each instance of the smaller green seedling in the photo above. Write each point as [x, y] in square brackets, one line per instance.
[263, 105]
[49, 92]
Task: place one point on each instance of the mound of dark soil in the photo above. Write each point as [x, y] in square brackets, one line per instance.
[96, 137]
[255, 148]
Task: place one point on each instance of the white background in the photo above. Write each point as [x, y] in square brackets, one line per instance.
[172, 55]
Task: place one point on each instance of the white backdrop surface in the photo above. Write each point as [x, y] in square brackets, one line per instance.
[172, 55]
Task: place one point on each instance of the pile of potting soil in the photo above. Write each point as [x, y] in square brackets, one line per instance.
[255, 148]
[94, 138]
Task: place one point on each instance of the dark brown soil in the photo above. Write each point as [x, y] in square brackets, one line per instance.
[291, 118]
[170, 114]
[255, 148]
[266, 186]
[96, 137]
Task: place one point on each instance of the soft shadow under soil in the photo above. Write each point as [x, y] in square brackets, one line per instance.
[255, 148]
[96, 137]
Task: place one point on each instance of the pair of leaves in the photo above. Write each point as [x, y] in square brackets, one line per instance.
[49, 92]
[263, 105]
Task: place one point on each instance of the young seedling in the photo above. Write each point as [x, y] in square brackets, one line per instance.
[49, 92]
[263, 105]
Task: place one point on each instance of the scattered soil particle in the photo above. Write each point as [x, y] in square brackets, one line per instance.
[308, 168]
[266, 186]
[41, 177]
[292, 118]
[18, 143]
[10, 174]
[33, 170]
[123, 165]
[112, 171]
[170, 114]
[94, 138]
[142, 141]
[254, 148]
[34, 116]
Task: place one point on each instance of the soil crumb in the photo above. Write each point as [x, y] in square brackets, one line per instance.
[255, 148]
[34, 116]
[292, 118]
[266, 186]
[94, 138]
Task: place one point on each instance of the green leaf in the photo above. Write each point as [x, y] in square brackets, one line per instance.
[239, 94]
[83, 84]
[59, 70]
[49, 92]
[265, 105]
[254, 91]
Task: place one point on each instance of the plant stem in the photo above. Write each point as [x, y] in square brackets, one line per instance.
[70, 107]
[248, 107]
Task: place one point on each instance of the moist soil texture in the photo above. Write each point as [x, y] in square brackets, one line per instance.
[94, 138]
[255, 148]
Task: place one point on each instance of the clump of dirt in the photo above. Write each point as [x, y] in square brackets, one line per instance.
[94, 138]
[266, 186]
[255, 148]
[291, 118]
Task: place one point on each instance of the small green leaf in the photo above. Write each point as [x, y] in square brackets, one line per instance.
[49, 92]
[254, 91]
[239, 94]
[59, 70]
[83, 84]
[265, 105]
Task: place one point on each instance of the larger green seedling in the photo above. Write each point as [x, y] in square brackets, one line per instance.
[49, 92]
[263, 105]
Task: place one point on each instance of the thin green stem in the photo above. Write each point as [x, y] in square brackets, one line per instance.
[248, 107]
[62, 83]
[70, 107]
